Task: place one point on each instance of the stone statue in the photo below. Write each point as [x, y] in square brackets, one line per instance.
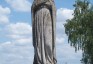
[43, 28]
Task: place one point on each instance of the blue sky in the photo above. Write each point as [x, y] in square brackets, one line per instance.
[16, 33]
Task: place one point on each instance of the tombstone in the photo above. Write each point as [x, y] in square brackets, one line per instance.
[43, 29]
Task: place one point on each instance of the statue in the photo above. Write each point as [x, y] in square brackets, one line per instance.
[43, 29]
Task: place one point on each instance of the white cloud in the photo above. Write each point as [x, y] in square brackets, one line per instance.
[18, 49]
[5, 44]
[19, 28]
[20, 33]
[65, 52]
[15, 54]
[20, 5]
[4, 12]
[24, 41]
[62, 15]
[60, 40]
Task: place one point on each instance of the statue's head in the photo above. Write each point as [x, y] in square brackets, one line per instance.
[43, 0]
[38, 3]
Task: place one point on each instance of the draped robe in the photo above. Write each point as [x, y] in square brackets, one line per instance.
[43, 29]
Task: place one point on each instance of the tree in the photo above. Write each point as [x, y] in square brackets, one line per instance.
[79, 30]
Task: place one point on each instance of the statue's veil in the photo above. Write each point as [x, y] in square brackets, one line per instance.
[36, 2]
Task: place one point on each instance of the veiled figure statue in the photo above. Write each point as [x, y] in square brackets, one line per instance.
[43, 29]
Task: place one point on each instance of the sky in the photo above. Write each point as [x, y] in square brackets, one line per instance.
[16, 33]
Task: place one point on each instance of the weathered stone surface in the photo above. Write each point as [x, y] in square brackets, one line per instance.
[43, 27]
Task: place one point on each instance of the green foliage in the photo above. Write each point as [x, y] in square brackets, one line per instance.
[79, 30]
